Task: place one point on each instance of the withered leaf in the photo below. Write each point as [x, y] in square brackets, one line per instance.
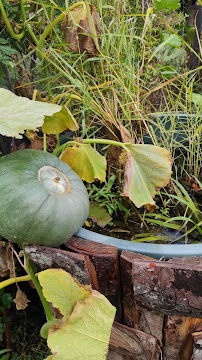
[147, 169]
[125, 134]
[77, 29]
[37, 141]
[21, 300]
[6, 262]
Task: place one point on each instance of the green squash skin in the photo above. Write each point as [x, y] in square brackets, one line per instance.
[31, 214]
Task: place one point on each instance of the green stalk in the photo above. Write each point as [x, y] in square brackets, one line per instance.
[13, 34]
[29, 29]
[49, 28]
[90, 141]
[31, 272]
[46, 32]
[44, 142]
[10, 281]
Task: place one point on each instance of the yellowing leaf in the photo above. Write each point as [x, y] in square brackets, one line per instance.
[77, 14]
[85, 334]
[59, 122]
[19, 113]
[86, 162]
[61, 290]
[148, 168]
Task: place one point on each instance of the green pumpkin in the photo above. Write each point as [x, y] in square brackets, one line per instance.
[42, 200]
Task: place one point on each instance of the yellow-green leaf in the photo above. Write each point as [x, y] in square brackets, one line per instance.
[18, 114]
[61, 290]
[59, 122]
[77, 14]
[85, 334]
[86, 162]
[148, 168]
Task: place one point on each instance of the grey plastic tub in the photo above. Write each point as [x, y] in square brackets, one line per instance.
[180, 128]
[156, 251]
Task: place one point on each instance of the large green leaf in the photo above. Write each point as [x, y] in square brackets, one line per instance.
[19, 113]
[167, 4]
[86, 162]
[59, 122]
[61, 290]
[148, 168]
[85, 334]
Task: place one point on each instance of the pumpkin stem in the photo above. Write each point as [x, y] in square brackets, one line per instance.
[32, 273]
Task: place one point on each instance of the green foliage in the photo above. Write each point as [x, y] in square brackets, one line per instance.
[108, 198]
[5, 303]
[188, 220]
[197, 100]
[167, 4]
[7, 67]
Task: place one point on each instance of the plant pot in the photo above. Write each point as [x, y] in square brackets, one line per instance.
[181, 129]
[156, 251]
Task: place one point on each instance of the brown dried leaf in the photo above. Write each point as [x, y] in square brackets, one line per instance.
[76, 27]
[36, 142]
[151, 207]
[125, 134]
[6, 261]
[21, 300]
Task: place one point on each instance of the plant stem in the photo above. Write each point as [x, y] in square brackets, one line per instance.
[13, 34]
[29, 29]
[49, 28]
[14, 280]
[109, 142]
[31, 272]
[44, 142]
[90, 141]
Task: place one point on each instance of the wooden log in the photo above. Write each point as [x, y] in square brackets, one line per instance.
[112, 355]
[197, 352]
[78, 265]
[134, 344]
[197, 346]
[106, 262]
[135, 316]
[178, 342]
[169, 287]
